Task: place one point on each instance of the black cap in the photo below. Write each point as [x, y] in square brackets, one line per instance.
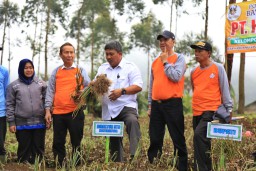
[202, 45]
[166, 34]
[1, 48]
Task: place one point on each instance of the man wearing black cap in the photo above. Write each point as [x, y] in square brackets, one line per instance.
[210, 89]
[165, 100]
[4, 81]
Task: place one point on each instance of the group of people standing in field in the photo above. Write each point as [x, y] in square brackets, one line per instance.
[30, 106]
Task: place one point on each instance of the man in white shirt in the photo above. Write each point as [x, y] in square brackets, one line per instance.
[120, 103]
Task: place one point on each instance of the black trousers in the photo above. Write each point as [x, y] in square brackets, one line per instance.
[130, 118]
[31, 144]
[168, 113]
[61, 124]
[202, 145]
[2, 134]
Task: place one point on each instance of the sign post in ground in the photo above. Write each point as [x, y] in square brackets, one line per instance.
[107, 129]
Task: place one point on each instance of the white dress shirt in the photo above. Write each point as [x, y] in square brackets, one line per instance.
[122, 76]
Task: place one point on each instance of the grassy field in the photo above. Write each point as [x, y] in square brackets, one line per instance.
[226, 154]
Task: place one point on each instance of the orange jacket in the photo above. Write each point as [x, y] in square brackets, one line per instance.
[206, 89]
[65, 86]
[163, 87]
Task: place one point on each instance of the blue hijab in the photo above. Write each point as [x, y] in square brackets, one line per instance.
[26, 80]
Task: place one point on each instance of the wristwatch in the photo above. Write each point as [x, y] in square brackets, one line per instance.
[123, 92]
[165, 63]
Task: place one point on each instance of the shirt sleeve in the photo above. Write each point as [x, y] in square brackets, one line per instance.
[10, 105]
[151, 78]
[191, 80]
[86, 77]
[175, 71]
[50, 90]
[6, 81]
[135, 76]
[224, 88]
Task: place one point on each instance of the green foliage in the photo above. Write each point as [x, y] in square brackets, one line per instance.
[9, 13]
[187, 107]
[183, 46]
[56, 8]
[197, 2]
[144, 34]
[133, 7]
[176, 2]
[96, 27]
[142, 99]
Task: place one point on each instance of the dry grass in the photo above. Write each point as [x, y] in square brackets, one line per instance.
[227, 155]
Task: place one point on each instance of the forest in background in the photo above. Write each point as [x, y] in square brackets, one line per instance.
[91, 23]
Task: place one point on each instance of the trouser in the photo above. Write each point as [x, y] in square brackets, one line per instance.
[61, 124]
[202, 144]
[31, 144]
[168, 113]
[130, 118]
[2, 134]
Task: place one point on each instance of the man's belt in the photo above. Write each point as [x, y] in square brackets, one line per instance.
[167, 100]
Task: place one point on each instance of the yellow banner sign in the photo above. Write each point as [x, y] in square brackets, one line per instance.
[241, 27]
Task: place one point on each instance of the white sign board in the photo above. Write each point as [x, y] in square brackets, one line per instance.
[108, 128]
[224, 131]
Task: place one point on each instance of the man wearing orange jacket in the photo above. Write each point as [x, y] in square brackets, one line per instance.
[165, 100]
[61, 85]
[210, 90]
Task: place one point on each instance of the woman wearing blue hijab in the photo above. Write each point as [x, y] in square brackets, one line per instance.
[25, 112]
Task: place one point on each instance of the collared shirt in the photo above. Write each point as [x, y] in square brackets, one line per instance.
[72, 66]
[122, 76]
[4, 81]
[52, 82]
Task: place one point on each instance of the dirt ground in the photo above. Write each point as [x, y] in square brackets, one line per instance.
[12, 165]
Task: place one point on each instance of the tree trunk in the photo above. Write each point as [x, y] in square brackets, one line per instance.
[241, 99]
[3, 41]
[46, 43]
[229, 57]
[34, 39]
[171, 15]
[148, 72]
[229, 66]
[241, 84]
[78, 35]
[92, 55]
[206, 22]
[9, 57]
[39, 48]
[176, 26]
[79, 31]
